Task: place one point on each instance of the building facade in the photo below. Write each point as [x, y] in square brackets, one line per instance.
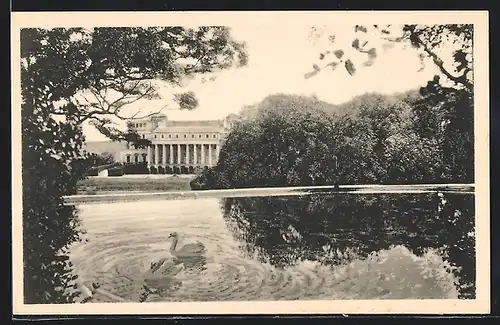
[178, 145]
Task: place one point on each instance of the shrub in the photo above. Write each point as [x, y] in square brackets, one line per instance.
[92, 172]
[136, 168]
[116, 171]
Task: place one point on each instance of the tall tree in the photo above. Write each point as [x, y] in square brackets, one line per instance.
[75, 75]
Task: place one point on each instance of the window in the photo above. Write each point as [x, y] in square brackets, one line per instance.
[176, 135]
[184, 135]
[199, 136]
[215, 136]
[155, 136]
[144, 136]
[128, 158]
[162, 136]
[207, 136]
[169, 135]
[192, 136]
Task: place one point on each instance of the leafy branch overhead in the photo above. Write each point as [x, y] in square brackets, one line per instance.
[429, 41]
[97, 73]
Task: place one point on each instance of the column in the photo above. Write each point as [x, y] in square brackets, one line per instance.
[179, 154]
[195, 159]
[203, 154]
[171, 158]
[209, 155]
[157, 154]
[150, 154]
[164, 160]
[187, 155]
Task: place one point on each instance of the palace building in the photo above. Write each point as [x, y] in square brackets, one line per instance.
[178, 145]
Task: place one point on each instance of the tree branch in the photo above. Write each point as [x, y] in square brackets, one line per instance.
[439, 63]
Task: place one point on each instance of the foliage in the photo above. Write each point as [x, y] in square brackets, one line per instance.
[103, 70]
[51, 167]
[446, 116]
[430, 41]
[288, 141]
[72, 76]
[284, 142]
[116, 171]
[136, 168]
[104, 158]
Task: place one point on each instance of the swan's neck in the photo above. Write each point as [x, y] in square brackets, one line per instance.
[174, 244]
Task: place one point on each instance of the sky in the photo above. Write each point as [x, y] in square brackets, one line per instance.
[279, 57]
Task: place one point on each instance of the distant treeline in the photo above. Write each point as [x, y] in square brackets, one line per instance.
[421, 136]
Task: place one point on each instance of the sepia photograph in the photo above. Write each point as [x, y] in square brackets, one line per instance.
[250, 162]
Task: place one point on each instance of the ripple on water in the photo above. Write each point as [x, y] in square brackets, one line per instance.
[128, 254]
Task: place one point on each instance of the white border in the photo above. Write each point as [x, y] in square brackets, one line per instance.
[71, 19]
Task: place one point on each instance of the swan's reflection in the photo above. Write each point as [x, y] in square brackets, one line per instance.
[161, 278]
[193, 265]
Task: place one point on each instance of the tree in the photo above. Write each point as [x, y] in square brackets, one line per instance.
[430, 41]
[71, 76]
[105, 158]
[290, 140]
[283, 141]
[444, 108]
[445, 116]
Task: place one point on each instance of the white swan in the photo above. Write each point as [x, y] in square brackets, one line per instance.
[194, 249]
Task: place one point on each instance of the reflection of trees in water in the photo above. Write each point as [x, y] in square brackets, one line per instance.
[285, 229]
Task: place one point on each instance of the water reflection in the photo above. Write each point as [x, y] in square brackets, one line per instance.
[331, 228]
[160, 279]
[320, 246]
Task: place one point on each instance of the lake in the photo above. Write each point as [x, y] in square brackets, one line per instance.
[343, 246]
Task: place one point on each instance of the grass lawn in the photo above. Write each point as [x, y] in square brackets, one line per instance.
[96, 185]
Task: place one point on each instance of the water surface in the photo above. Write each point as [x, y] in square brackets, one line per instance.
[273, 248]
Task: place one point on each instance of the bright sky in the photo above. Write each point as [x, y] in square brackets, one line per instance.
[279, 56]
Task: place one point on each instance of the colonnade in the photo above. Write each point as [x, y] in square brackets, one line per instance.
[166, 154]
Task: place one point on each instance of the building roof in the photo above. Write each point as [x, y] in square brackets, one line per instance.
[194, 123]
[190, 126]
[188, 129]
